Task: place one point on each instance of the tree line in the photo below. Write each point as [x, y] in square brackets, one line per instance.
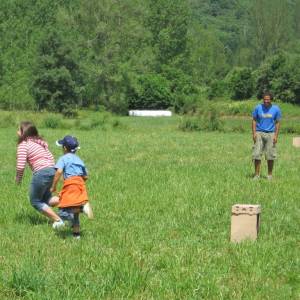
[61, 55]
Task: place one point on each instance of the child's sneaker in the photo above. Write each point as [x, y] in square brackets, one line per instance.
[58, 224]
[269, 177]
[87, 209]
[256, 177]
[76, 236]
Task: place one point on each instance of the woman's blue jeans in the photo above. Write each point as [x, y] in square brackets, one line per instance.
[41, 183]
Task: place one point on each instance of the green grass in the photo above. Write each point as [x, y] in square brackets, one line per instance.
[162, 200]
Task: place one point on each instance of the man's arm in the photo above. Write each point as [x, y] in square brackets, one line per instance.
[56, 179]
[254, 130]
[277, 127]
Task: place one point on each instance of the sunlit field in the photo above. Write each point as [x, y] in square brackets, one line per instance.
[162, 202]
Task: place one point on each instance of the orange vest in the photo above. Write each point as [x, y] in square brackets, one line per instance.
[73, 192]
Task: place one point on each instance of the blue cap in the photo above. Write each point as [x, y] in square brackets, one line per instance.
[69, 142]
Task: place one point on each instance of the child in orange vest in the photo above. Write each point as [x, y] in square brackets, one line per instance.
[73, 196]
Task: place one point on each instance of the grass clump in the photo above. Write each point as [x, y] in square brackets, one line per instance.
[27, 280]
[52, 122]
[208, 121]
[8, 120]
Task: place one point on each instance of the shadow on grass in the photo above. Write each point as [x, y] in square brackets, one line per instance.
[30, 218]
[250, 175]
[66, 233]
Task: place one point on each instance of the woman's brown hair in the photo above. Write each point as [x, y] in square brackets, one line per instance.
[28, 129]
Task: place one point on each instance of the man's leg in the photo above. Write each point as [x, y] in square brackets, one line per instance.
[257, 164]
[271, 154]
[270, 167]
[256, 154]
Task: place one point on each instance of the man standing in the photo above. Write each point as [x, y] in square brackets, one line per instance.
[265, 129]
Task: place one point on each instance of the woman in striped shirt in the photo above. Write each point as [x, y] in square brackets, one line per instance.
[34, 150]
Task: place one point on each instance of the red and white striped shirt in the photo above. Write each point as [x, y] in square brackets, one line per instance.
[36, 153]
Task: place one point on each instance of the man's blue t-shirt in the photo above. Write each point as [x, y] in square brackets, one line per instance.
[71, 165]
[266, 117]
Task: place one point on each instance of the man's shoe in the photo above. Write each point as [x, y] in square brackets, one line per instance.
[87, 209]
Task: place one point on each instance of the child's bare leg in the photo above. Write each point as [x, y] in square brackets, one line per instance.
[76, 225]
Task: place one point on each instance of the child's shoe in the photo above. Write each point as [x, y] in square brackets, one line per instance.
[87, 209]
[76, 236]
[58, 224]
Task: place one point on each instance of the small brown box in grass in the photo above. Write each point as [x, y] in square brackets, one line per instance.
[245, 219]
[296, 142]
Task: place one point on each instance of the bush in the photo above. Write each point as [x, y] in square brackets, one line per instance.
[281, 75]
[8, 121]
[152, 92]
[69, 112]
[240, 83]
[211, 120]
[98, 120]
[190, 124]
[56, 84]
[52, 122]
[208, 121]
[217, 88]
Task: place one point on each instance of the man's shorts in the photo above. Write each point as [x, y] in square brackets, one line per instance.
[264, 144]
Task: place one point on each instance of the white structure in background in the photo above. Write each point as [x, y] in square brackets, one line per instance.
[150, 113]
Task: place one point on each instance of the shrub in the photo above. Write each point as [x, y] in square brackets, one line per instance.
[8, 121]
[217, 88]
[211, 120]
[208, 121]
[280, 74]
[116, 123]
[152, 92]
[99, 120]
[56, 84]
[240, 83]
[69, 112]
[52, 122]
[189, 124]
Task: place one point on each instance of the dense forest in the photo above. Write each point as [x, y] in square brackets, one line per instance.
[60, 55]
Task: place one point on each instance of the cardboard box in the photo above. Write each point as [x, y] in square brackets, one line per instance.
[245, 221]
[296, 142]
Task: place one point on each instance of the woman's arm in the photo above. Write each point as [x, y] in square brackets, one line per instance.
[21, 161]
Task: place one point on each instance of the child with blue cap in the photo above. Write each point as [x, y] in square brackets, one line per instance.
[73, 196]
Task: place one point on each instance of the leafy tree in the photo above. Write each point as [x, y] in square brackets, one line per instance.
[271, 26]
[168, 23]
[57, 75]
[280, 74]
[240, 83]
[153, 92]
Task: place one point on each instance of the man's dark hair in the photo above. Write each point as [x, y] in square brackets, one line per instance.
[267, 93]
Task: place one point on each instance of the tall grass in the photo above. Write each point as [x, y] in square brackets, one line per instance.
[162, 200]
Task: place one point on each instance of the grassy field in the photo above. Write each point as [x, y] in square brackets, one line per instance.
[162, 200]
